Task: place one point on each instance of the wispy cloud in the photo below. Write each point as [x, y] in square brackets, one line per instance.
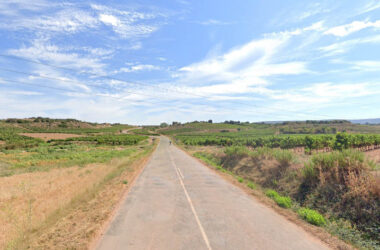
[43, 50]
[213, 22]
[244, 69]
[139, 67]
[13, 7]
[127, 23]
[345, 46]
[64, 21]
[71, 19]
[347, 29]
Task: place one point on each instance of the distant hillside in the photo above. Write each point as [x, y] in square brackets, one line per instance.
[48, 125]
[366, 121]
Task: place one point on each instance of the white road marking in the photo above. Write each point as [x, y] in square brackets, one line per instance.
[204, 235]
[180, 172]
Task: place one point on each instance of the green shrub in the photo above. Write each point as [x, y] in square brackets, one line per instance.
[251, 185]
[240, 179]
[271, 193]
[312, 216]
[283, 201]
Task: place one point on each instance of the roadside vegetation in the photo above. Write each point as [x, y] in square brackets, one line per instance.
[44, 179]
[328, 180]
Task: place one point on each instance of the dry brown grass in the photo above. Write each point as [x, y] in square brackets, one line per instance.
[27, 199]
[50, 136]
[63, 208]
[373, 155]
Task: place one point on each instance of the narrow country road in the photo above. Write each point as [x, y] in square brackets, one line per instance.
[177, 203]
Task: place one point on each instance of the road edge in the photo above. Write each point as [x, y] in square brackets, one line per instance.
[316, 232]
[106, 225]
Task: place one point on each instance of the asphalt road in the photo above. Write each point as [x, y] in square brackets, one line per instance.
[177, 203]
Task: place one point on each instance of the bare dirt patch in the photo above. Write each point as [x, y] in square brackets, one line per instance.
[50, 136]
[2, 142]
[374, 155]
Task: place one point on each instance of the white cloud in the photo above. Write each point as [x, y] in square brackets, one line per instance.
[349, 90]
[213, 22]
[139, 67]
[367, 65]
[13, 7]
[126, 23]
[67, 18]
[109, 19]
[370, 6]
[343, 47]
[43, 50]
[65, 21]
[26, 93]
[244, 69]
[346, 29]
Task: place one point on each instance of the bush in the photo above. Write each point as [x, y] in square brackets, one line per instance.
[283, 201]
[271, 193]
[312, 216]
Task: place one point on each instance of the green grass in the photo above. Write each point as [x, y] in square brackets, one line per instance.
[251, 185]
[282, 201]
[45, 157]
[110, 139]
[312, 216]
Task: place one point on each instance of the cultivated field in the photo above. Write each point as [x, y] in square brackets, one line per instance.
[326, 172]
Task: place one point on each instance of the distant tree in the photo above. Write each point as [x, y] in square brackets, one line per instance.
[210, 121]
[164, 124]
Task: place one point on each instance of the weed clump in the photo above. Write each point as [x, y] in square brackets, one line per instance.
[251, 185]
[312, 216]
[282, 201]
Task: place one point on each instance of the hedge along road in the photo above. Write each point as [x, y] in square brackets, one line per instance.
[178, 203]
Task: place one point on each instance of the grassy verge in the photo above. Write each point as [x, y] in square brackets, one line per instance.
[75, 224]
[341, 228]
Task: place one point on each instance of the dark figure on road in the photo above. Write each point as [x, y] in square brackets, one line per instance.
[170, 142]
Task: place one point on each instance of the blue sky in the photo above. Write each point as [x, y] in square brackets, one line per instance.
[144, 62]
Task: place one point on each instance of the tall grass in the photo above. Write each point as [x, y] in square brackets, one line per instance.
[340, 183]
[284, 157]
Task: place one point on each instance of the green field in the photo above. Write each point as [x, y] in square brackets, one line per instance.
[98, 144]
[312, 136]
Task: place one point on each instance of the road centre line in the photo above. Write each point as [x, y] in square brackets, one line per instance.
[204, 235]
